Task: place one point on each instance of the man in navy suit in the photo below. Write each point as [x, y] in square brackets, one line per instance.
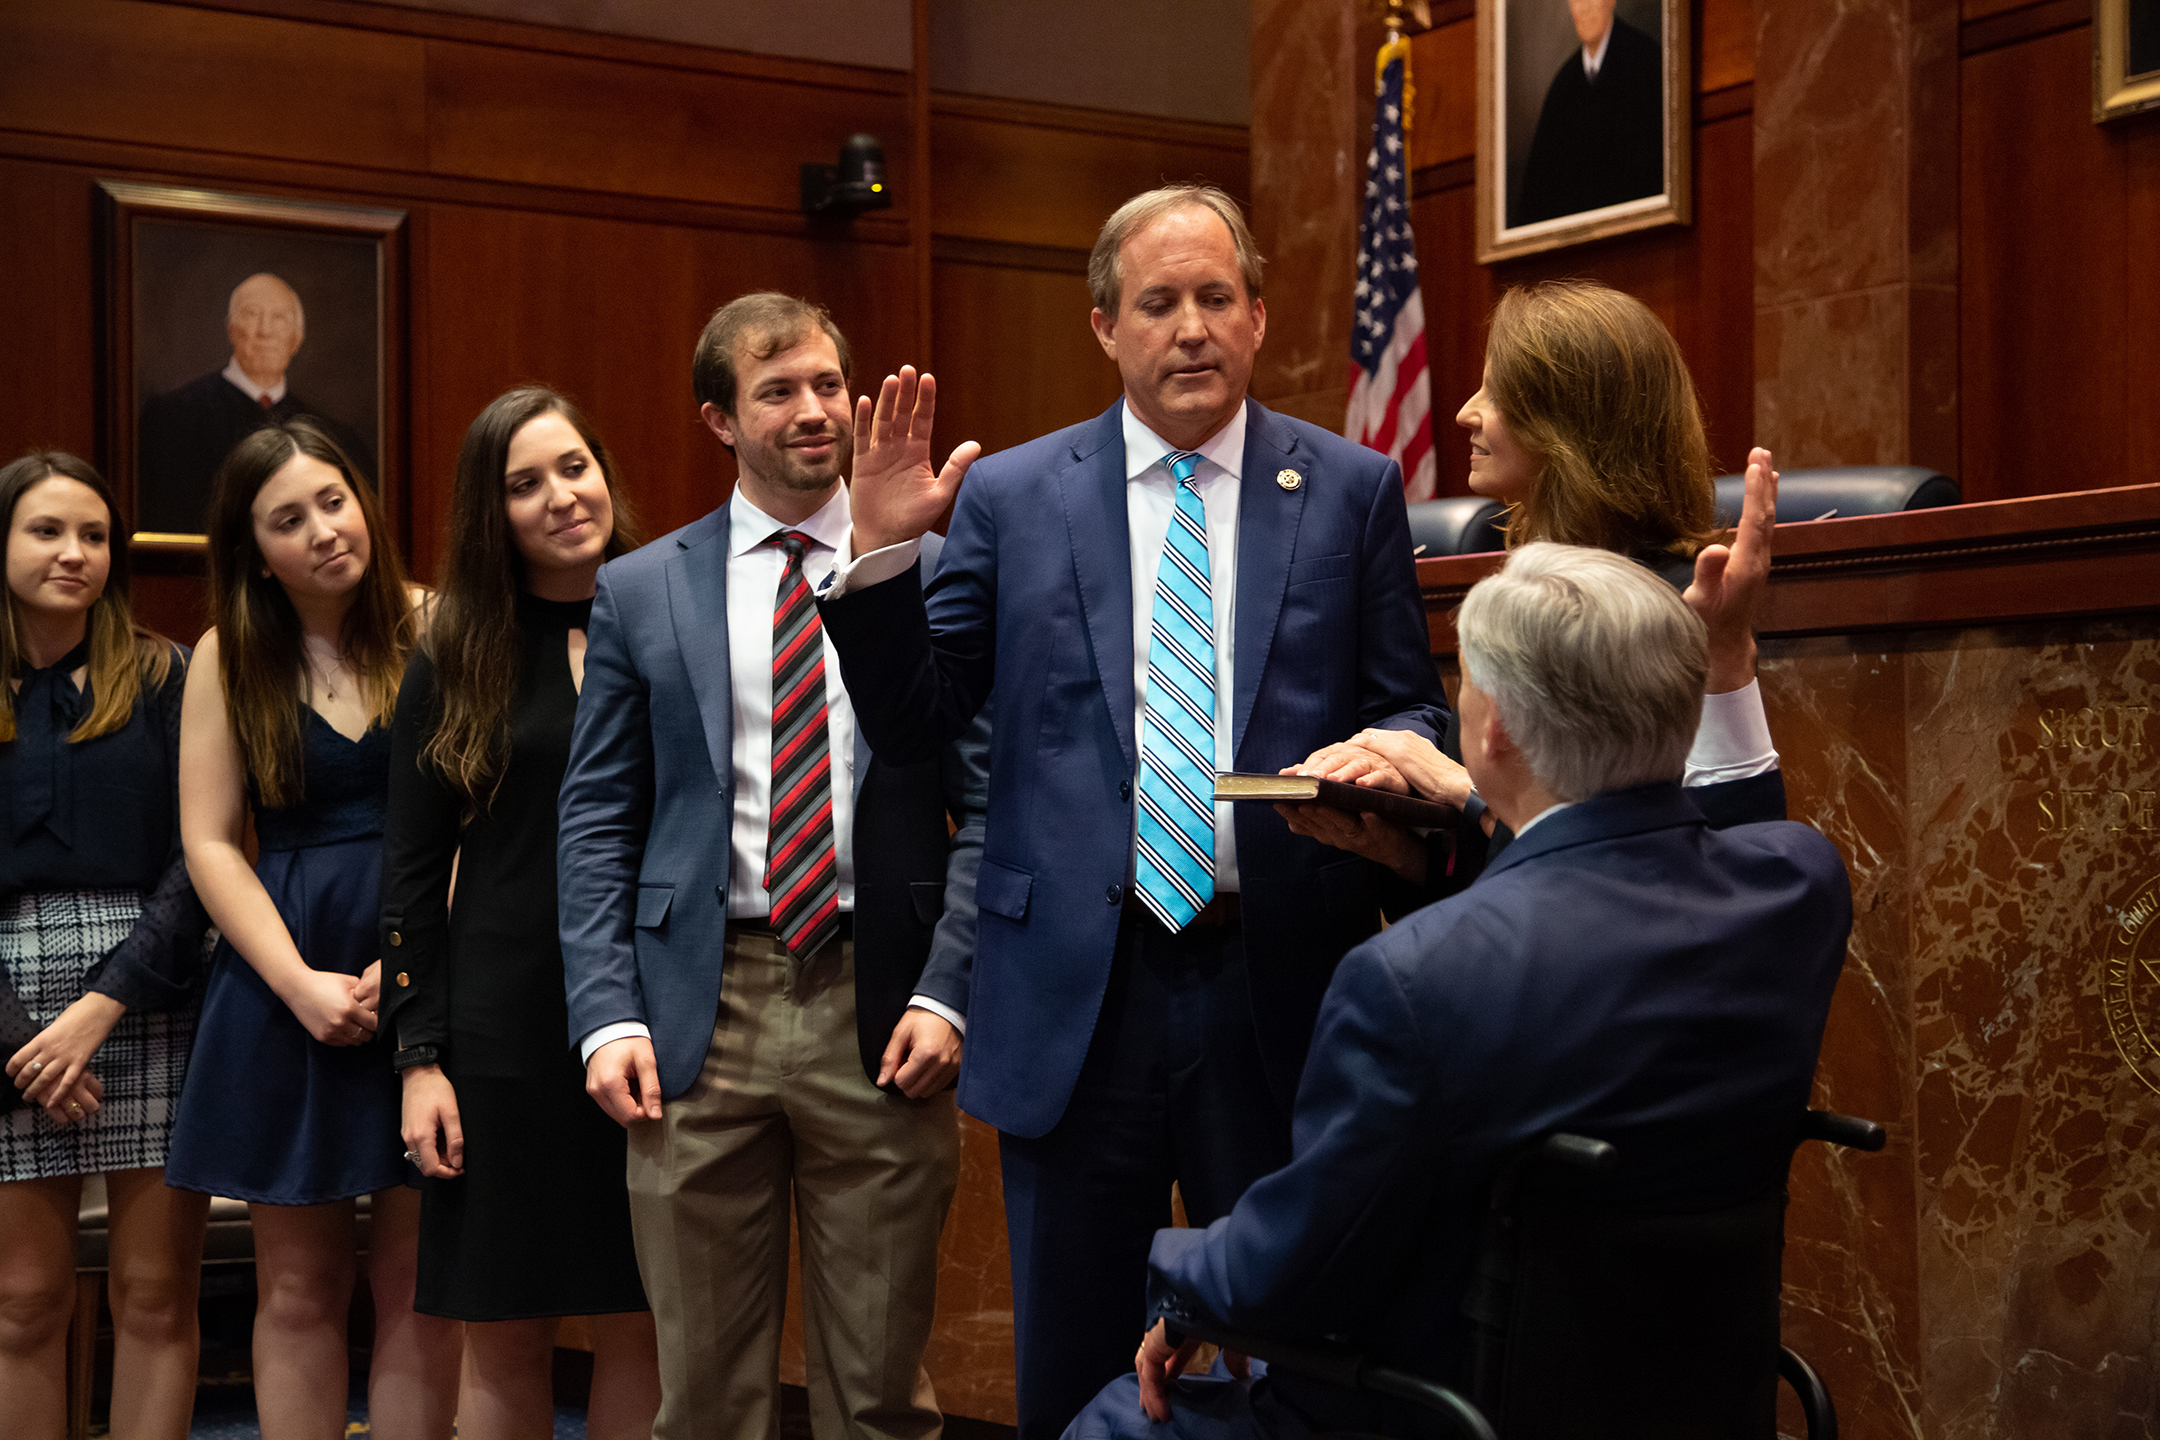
[1622, 970]
[1131, 1027]
[767, 931]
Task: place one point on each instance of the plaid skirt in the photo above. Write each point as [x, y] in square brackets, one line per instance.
[47, 942]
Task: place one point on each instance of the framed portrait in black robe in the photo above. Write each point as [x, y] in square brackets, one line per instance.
[221, 313]
[1583, 121]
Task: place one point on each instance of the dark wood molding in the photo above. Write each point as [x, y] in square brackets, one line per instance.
[1005, 255]
[2013, 27]
[1447, 175]
[164, 165]
[561, 40]
[2043, 557]
[1041, 114]
[1724, 104]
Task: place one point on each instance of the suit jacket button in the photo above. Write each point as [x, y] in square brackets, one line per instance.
[1124, 789]
[1115, 895]
[403, 978]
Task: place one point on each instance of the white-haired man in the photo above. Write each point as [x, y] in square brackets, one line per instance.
[187, 433]
[1623, 971]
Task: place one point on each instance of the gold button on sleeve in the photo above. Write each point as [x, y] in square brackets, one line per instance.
[403, 978]
[396, 939]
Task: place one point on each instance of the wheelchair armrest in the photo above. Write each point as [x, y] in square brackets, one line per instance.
[1815, 1404]
[1347, 1368]
[1847, 1130]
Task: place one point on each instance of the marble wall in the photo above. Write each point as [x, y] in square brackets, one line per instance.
[1994, 1272]
[1856, 232]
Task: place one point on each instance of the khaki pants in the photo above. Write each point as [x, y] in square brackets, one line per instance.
[782, 1104]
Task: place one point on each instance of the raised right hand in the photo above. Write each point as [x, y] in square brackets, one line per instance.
[624, 1078]
[328, 1006]
[893, 495]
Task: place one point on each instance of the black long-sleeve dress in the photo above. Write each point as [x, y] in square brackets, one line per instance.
[94, 896]
[539, 1224]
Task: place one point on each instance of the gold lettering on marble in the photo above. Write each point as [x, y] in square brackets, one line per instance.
[2130, 983]
[2096, 727]
[2099, 811]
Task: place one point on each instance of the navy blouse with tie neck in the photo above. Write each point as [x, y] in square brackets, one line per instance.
[104, 814]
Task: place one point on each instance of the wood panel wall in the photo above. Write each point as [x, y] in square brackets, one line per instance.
[2058, 221]
[578, 204]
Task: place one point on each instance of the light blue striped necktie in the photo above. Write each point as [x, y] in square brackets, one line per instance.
[1175, 871]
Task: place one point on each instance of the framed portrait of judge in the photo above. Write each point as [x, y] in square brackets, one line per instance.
[2126, 57]
[1583, 121]
[220, 313]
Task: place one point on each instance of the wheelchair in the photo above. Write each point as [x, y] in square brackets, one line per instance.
[1594, 1321]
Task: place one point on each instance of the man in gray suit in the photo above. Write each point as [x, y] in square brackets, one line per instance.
[767, 932]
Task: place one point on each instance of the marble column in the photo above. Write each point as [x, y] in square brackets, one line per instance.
[1308, 167]
[1856, 211]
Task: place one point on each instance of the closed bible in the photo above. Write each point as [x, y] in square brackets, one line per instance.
[1409, 810]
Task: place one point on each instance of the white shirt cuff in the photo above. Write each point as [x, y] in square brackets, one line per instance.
[946, 1013]
[1733, 740]
[851, 572]
[620, 1030]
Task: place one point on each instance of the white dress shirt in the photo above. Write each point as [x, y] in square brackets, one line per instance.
[249, 388]
[754, 568]
[1593, 60]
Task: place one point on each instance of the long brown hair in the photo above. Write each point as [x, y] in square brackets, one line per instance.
[124, 657]
[473, 638]
[260, 656]
[1593, 386]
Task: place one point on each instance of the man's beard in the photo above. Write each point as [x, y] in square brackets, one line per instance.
[782, 466]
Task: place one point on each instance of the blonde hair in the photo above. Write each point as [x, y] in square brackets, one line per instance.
[124, 657]
[1593, 386]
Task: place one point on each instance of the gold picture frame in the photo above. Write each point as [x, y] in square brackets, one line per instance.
[2124, 84]
[1534, 113]
[171, 260]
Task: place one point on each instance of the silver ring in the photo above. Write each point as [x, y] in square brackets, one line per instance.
[36, 1066]
[413, 1156]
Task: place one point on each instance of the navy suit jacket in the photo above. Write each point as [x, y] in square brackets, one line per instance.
[1033, 604]
[648, 803]
[1623, 971]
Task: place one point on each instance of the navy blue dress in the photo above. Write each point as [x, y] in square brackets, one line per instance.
[269, 1113]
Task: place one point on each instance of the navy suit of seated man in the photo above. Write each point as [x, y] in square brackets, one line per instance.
[1623, 970]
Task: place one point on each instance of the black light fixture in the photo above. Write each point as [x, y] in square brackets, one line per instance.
[856, 184]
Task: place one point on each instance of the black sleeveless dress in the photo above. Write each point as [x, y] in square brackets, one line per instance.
[269, 1113]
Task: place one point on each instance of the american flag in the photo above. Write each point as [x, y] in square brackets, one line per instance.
[1390, 388]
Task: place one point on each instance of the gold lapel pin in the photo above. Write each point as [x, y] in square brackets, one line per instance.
[1289, 479]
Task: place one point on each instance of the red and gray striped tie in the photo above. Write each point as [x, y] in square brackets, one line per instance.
[802, 874]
